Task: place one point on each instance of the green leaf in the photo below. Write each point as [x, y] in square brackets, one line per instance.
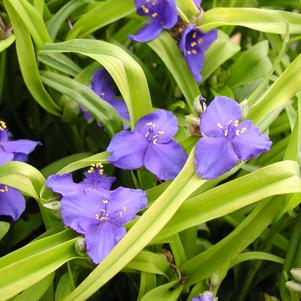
[279, 178]
[28, 64]
[218, 53]
[28, 265]
[126, 72]
[103, 112]
[166, 48]
[265, 20]
[7, 42]
[4, 227]
[109, 11]
[283, 89]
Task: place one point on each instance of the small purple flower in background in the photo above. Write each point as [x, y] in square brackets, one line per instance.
[91, 209]
[206, 296]
[151, 145]
[93, 179]
[14, 150]
[12, 202]
[225, 139]
[103, 85]
[193, 44]
[162, 13]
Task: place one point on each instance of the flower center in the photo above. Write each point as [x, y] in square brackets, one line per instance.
[193, 42]
[231, 129]
[3, 188]
[2, 125]
[102, 215]
[151, 135]
[149, 8]
[97, 166]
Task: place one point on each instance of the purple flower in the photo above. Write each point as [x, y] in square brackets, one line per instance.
[193, 44]
[14, 150]
[12, 202]
[150, 145]
[162, 13]
[93, 179]
[100, 216]
[225, 139]
[197, 3]
[206, 296]
[103, 85]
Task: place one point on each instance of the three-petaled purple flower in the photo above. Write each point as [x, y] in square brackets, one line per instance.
[206, 296]
[225, 139]
[162, 13]
[194, 42]
[12, 202]
[103, 85]
[17, 150]
[151, 145]
[91, 209]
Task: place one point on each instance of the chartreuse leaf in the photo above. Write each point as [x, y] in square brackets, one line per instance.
[147, 226]
[35, 292]
[265, 20]
[169, 292]
[126, 72]
[279, 178]
[103, 112]
[166, 48]
[219, 255]
[147, 283]
[4, 227]
[56, 21]
[7, 42]
[23, 177]
[110, 11]
[32, 20]
[219, 52]
[187, 8]
[38, 259]
[27, 61]
[284, 88]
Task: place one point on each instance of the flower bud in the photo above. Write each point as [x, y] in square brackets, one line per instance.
[296, 273]
[245, 108]
[193, 120]
[293, 286]
[55, 206]
[199, 105]
[80, 245]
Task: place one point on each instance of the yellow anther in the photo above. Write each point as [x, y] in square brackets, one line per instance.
[2, 125]
[145, 9]
[229, 122]
[189, 52]
[219, 125]
[102, 218]
[97, 216]
[194, 35]
[151, 124]
[120, 214]
[154, 2]
[154, 15]
[160, 132]
[124, 208]
[193, 44]
[102, 210]
[236, 123]
[226, 133]
[237, 132]
[200, 41]
[105, 201]
[147, 134]
[91, 169]
[155, 141]
[243, 130]
[194, 51]
[147, 1]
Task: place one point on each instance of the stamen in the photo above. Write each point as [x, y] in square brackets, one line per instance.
[243, 130]
[194, 35]
[193, 44]
[147, 134]
[105, 201]
[226, 133]
[219, 125]
[102, 218]
[236, 123]
[237, 132]
[102, 94]
[154, 2]
[189, 52]
[5, 189]
[155, 141]
[120, 214]
[2, 125]
[97, 216]
[145, 9]
[102, 210]
[160, 132]
[154, 15]
[194, 51]
[124, 209]
[200, 41]
[151, 124]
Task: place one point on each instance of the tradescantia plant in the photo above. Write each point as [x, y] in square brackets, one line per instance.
[168, 136]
